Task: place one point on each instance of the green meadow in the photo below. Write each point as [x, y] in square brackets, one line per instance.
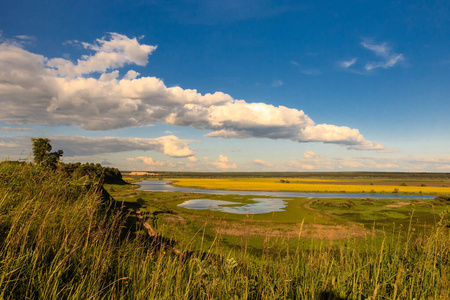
[308, 218]
[66, 238]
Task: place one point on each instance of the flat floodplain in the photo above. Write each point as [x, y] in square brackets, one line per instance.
[383, 186]
[330, 219]
[393, 248]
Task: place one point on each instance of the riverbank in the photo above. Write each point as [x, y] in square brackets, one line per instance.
[172, 186]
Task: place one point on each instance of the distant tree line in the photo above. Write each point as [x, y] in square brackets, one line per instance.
[44, 157]
[93, 171]
[316, 175]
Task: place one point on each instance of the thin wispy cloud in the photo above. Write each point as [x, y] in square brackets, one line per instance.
[294, 63]
[277, 83]
[367, 163]
[384, 51]
[6, 128]
[88, 146]
[26, 37]
[311, 72]
[387, 58]
[306, 71]
[348, 63]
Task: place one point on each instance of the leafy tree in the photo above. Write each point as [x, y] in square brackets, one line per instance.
[42, 154]
[41, 149]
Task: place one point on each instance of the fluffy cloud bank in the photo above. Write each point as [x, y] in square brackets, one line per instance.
[91, 94]
[84, 146]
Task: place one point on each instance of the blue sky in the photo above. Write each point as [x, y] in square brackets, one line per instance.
[229, 85]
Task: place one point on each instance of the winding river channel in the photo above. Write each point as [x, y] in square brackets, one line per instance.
[164, 186]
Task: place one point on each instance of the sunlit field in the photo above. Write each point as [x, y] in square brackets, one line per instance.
[317, 185]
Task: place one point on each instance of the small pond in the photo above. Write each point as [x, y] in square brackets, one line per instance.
[164, 186]
[261, 205]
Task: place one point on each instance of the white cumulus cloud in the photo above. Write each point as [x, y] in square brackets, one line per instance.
[115, 52]
[223, 163]
[192, 158]
[311, 154]
[263, 163]
[152, 164]
[38, 90]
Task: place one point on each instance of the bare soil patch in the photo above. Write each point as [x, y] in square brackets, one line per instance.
[174, 219]
[318, 231]
[398, 204]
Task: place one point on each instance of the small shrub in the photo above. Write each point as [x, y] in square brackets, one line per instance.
[441, 200]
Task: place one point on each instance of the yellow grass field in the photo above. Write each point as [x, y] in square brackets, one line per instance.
[303, 185]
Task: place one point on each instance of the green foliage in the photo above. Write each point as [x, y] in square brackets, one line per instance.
[442, 200]
[41, 148]
[95, 172]
[334, 203]
[42, 154]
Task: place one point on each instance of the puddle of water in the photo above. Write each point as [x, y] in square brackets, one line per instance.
[207, 204]
[261, 205]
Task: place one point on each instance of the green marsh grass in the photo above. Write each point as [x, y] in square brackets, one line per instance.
[58, 240]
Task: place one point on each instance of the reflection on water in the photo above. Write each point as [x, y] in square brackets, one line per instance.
[164, 186]
[261, 205]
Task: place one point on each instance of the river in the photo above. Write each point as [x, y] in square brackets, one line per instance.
[164, 186]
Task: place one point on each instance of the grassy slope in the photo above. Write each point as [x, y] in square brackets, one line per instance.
[58, 241]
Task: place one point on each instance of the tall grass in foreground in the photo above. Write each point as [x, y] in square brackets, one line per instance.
[57, 240]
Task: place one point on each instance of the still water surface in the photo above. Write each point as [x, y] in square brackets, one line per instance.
[261, 205]
[164, 186]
